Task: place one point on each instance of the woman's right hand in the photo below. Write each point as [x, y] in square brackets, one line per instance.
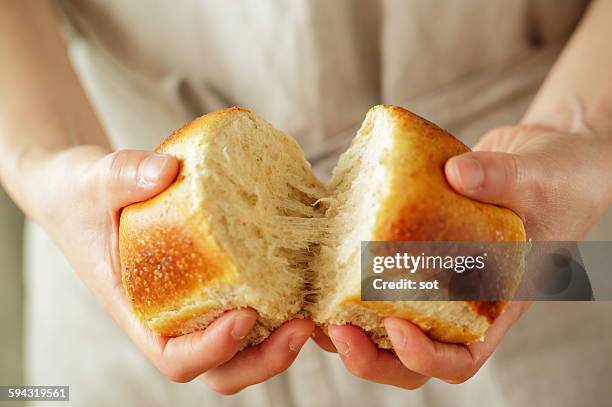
[79, 203]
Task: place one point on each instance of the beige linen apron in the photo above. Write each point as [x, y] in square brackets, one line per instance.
[312, 68]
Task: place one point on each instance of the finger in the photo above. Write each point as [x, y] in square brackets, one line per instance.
[499, 178]
[365, 360]
[454, 363]
[129, 176]
[450, 362]
[323, 340]
[495, 333]
[261, 362]
[186, 357]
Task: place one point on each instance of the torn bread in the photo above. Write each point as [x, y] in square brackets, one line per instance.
[247, 224]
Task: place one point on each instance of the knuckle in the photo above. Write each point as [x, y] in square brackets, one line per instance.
[279, 366]
[523, 180]
[177, 375]
[415, 384]
[116, 165]
[180, 378]
[515, 174]
[424, 366]
[455, 381]
[229, 391]
[224, 389]
[362, 371]
[460, 377]
[115, 174]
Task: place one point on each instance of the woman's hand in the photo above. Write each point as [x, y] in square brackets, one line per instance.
[81, 192]
[557, 178]
[558, 183]
[75, 190]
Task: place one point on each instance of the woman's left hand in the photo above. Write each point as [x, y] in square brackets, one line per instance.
[558, 183]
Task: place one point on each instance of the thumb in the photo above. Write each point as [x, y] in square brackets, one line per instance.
[504, 179]
[129, 176]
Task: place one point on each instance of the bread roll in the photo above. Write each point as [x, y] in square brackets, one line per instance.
[247, 224]
[390, 186]
[235, 229]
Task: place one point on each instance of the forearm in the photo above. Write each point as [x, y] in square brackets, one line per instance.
[43, 108]
[577, 95]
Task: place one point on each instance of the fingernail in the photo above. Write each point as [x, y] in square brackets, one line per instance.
[297, 340]
[396, 335]
[241, 326]
[342, 347]
[151, 167]
[469, 172]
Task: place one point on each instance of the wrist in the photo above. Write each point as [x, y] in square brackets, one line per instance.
[19, 177]
[569, 115]
[39, 179]
[565, 115]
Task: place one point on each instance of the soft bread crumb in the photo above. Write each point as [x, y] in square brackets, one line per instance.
[281, 242]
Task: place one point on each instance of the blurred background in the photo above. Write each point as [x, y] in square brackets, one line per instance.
[503, 94]
[11, 293]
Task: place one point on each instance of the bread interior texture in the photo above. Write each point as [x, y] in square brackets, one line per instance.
[290, 236]
[262, 199]
[358, 186]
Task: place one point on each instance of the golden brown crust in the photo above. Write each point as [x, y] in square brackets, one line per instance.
[436, 328]
[184, 321]
[163, 262]
[175, 273]
[170, 260]
[167, 254]
[488, 309]
[422, 206]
